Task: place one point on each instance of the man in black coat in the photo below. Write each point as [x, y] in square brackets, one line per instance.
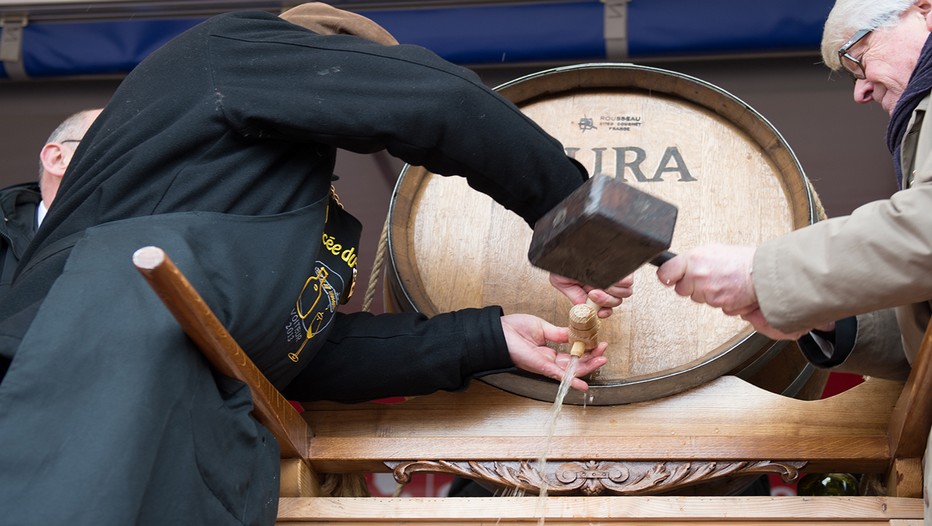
[19, 205]
[220, 148]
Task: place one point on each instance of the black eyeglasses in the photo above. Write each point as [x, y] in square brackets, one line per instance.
[852, 65]
[70, 140]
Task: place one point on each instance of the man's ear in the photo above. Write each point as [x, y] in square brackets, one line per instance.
[925, 9]
[54, 159]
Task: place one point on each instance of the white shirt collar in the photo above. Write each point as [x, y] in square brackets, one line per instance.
[41, 210]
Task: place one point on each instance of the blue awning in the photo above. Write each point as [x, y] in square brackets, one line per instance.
[546, 32]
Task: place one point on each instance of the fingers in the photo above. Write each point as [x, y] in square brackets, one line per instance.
[741, 311]
[584, 368]
[612, 296]
[588, 362]
[598, 351]
[716, 275]
[605, 299]
[687, 288]
[554, 333]
[570, 288]
[672, 272]
[554, 370]
[526, 336]
[556, 373]
[761, 325]
[622, 288]
[579, 384]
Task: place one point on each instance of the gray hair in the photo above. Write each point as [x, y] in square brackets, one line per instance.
[849, 16]
[71, 129]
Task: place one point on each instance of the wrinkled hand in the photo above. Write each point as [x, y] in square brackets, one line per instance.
[527, 338]
[717, 275]
[606, 299]
[720, 276]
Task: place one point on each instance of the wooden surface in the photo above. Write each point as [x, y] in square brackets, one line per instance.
[668, 511]
[297, 479]
[726, 419]
[453, 247]
[905, 478]
[909, 425]
[912, 417]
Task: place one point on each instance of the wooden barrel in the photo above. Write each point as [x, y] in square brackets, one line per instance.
[732, 175]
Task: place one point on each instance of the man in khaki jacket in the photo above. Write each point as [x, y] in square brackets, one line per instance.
[854, 290]
[875, 264]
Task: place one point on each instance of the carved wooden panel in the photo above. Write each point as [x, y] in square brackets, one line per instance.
[596, 477]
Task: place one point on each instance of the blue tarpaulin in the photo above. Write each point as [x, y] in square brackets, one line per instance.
[548, 32]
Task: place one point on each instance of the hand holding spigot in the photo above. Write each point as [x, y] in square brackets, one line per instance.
[584, 327]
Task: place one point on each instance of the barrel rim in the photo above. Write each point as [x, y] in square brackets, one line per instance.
[643, 387]
[422, 303]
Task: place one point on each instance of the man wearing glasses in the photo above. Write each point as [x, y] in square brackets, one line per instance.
[24, 205]
[855, 290]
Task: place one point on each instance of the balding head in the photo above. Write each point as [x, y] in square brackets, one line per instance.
[325, 19]
[58, 150]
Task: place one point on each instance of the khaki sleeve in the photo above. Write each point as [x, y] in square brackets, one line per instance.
[878, 257]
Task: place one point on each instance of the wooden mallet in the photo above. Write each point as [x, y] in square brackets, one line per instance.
[602, 232]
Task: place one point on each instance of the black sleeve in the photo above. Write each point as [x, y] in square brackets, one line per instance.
[368, 356]
[842, 339]
[282, 81]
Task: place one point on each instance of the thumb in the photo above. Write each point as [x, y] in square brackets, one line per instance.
[553, 333]
[671, 272]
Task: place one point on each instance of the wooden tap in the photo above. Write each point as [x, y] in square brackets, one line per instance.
[584, 327]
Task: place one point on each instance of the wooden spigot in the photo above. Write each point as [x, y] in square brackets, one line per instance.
[584, 327]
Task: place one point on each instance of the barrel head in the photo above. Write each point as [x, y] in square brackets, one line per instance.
[602, 232]
[732, 176]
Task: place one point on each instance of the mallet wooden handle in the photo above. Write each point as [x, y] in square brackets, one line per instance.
[202, 326]
[662, 258]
